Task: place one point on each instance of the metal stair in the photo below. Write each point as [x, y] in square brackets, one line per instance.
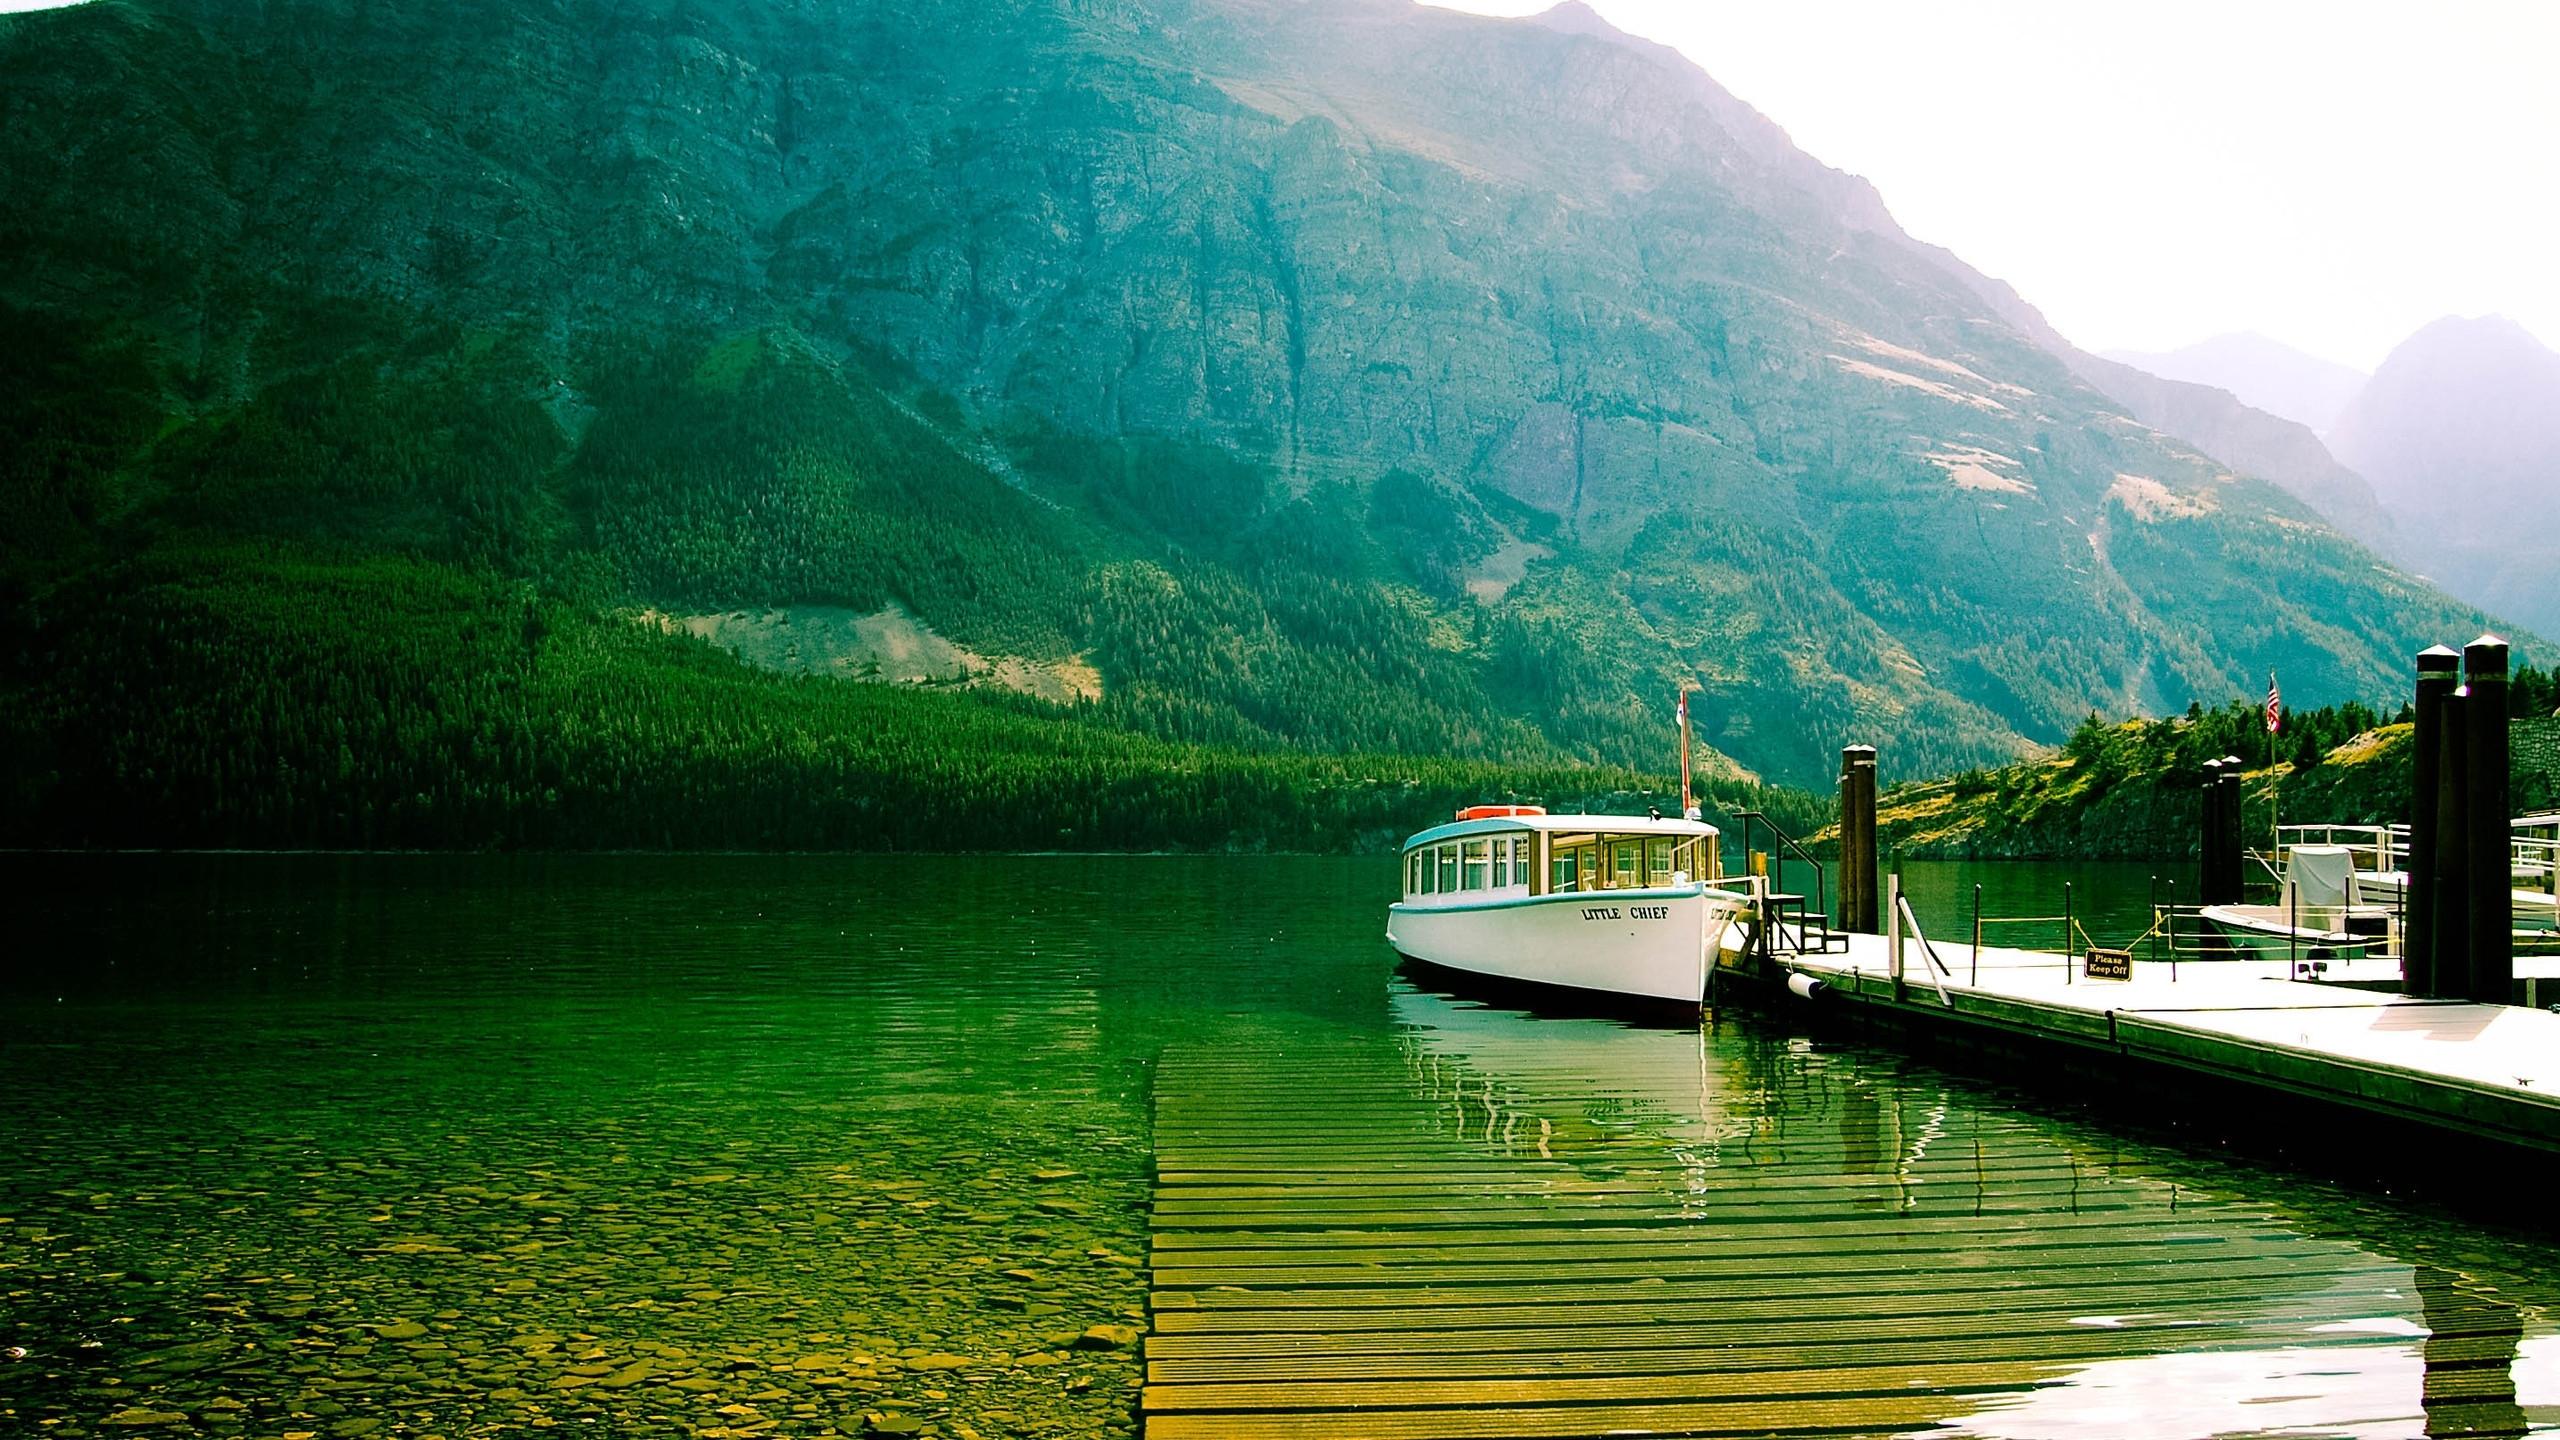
[1790, 923]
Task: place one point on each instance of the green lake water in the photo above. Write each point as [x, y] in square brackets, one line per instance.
[329, 1146]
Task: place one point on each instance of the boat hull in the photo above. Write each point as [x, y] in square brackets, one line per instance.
[2258, 932]
[1645, 944]
[2535, 911]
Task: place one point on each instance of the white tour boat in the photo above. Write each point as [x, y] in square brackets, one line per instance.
[1617, 905]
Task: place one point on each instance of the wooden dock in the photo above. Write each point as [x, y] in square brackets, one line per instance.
[2486, 1071]
[1494, 1225]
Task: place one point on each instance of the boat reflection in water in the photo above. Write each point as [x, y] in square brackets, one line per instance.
[1852, 1231]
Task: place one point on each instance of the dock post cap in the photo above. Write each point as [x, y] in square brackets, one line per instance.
[2485, 659]
[2231, 760]
[1867, 750]
[2438, 657]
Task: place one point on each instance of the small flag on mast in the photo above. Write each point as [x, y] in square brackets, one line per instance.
[1688, 802]
[2275, 705]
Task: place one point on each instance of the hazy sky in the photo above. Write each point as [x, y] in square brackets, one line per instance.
[2332, 175]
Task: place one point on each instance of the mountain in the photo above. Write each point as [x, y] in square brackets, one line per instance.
[1334, 376]
[2459, 431]
[2249, 439]
[2264, 374]
[2252, 441]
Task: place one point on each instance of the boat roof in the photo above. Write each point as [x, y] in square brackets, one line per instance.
[1601, 824]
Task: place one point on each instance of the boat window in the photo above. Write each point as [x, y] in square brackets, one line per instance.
[1520, 849]
[1623, 858]
[1501, 859]
[1657, 864]
[1475, 864]
[1570, 864]
[1448, 868]
[1413, 872]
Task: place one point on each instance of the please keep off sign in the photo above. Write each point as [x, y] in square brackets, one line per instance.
[2109, 965]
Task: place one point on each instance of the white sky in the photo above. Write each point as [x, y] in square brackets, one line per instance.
[2332, 175]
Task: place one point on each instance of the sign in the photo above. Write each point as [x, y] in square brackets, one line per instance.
[2109, 965]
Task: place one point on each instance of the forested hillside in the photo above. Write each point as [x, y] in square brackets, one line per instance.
[1289, 382]
[287, 696]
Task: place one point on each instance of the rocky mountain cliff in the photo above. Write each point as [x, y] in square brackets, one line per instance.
[2459, 431]
[1306, 372]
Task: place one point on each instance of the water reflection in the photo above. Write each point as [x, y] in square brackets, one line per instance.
[2041, 1279]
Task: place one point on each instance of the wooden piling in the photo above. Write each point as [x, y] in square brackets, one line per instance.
[2235, 848]
[2421, 972]
[2222, 849]
[2452, 883]
[2492, 954]
[2209, 834]
[1858, 839]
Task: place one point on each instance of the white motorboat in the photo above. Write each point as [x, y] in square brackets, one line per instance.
[1622, 906]
[2318, 916]
[2379, 856]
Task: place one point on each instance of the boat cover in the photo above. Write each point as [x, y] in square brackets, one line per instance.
[2322, 876]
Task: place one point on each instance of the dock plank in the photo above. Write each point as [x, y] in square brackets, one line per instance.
[1377, 1253]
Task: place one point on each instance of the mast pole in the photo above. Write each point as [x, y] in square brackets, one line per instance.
[1686, 803]
[2275, 718]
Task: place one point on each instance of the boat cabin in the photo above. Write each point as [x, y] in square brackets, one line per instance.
[1494, 853]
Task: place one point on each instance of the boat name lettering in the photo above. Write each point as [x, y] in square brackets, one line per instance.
[1626, 912]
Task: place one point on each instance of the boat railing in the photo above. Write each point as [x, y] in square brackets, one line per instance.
[2533, 855]
[2534, 860]
[2371, 848]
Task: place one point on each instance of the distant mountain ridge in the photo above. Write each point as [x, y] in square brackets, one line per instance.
[2261, 373]
[2459, 430]
[2251, 440]
[1340, 374]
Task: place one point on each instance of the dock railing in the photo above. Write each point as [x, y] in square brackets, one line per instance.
[2310, 939]
[2175, 932]
[1901, 922]
[1783, 846]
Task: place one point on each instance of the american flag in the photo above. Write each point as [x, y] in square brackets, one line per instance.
[2275, 705]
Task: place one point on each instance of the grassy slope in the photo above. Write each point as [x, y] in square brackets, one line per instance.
[2131, 791]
